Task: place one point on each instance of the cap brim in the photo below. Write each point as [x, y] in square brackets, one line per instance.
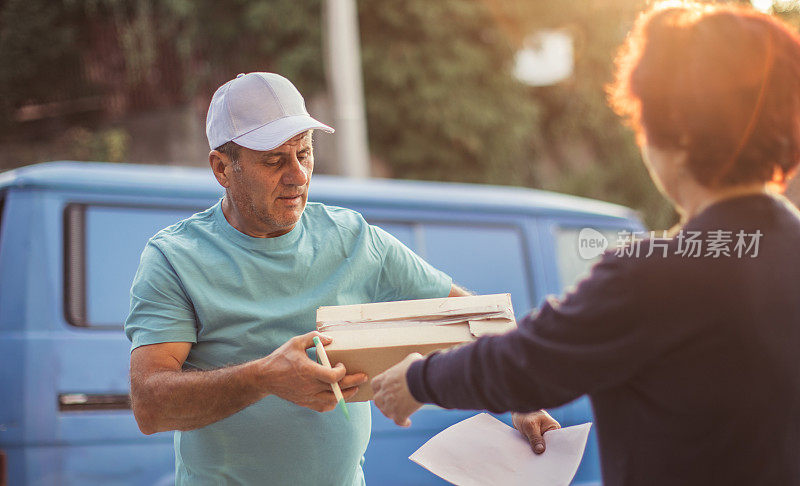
[274, 134]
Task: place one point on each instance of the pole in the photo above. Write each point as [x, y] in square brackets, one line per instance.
[343, 62]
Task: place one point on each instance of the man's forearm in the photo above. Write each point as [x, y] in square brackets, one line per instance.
[186, 400]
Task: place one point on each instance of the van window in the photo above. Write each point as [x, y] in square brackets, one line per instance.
[572, 267]
[103, 244]
[485, 259]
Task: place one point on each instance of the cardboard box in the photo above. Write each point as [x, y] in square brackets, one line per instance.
[370, 338]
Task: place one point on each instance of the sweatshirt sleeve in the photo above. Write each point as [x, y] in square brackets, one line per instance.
[594, 338]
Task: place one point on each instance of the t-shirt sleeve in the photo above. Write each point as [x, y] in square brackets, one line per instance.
[160, 310]
[404, 275]
[593, 339]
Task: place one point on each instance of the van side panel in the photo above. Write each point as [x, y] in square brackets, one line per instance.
[14, 252]
[17, 214]
[580, 410]
[487, 253]
[45, 444]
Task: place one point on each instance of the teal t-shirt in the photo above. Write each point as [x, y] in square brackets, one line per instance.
[238, 298]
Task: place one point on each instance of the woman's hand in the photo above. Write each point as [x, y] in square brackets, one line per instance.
[392, 395]
[533, 425]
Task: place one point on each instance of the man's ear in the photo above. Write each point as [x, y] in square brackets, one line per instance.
[219, 166]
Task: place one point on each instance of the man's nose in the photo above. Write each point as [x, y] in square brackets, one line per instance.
[296, 173]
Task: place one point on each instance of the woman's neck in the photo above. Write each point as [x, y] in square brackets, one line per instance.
[696, 200]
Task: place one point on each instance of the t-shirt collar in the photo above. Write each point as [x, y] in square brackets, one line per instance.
[253, 243]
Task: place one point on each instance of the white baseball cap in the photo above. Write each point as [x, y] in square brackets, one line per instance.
[259, 111]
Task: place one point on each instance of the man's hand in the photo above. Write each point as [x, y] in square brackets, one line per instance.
[290, 374]
[533, 425]
[164, 397]
[392, 395]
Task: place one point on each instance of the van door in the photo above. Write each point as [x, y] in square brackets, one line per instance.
[99, 441]
[3, 455]
[560, 242]
[485, 254]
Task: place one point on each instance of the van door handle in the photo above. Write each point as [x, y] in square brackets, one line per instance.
[78, 402]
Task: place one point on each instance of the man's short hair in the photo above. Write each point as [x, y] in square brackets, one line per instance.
[231, 149]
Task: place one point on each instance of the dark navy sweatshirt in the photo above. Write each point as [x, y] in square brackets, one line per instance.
[691, 359]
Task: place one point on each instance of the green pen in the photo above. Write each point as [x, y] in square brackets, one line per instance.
[337, 392]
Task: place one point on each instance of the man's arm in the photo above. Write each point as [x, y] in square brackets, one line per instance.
[164, 397]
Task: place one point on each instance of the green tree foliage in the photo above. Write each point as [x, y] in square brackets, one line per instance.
[225, 38]
[588, 151]
[47, 46]
[37, 54]
[441, 101]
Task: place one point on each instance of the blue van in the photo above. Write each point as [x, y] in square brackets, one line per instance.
[70, 238]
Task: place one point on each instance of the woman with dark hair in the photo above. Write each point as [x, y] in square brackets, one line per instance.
[688, 353]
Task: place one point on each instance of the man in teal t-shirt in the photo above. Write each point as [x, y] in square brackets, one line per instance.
[223, 306]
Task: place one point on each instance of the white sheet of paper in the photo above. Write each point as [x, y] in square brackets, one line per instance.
[482, 450]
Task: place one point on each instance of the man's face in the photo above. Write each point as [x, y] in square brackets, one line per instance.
[270, 189]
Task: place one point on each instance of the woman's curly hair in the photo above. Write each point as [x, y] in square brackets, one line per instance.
[721, 82]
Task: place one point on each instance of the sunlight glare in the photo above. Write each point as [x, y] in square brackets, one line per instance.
[762, 5]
